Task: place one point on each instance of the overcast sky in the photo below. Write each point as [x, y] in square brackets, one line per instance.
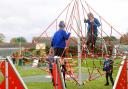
[28, 17]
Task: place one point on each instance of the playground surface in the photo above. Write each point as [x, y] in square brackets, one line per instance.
[40, 80]
[36, 78]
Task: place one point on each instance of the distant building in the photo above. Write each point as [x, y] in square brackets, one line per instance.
[120, 49]
[47, 40]
[7, 49]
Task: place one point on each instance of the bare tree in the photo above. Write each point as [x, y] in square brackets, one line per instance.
[17, 40]
[2, 38]
[124, 39]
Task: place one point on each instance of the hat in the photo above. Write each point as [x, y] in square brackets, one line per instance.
[62, 24]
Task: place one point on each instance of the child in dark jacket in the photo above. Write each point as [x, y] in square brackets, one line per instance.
[108, 68]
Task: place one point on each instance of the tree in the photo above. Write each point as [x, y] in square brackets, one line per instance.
[2, 37]
[124, 39]
[46, 40]
[110, 38]
[17, 40]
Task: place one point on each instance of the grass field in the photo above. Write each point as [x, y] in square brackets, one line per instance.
[30, 72]
[95, 84]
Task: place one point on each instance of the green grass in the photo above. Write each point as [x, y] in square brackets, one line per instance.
[1, 78]
[95, 84]
[39, 85]
[31, 72]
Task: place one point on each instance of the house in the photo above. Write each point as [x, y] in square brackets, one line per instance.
[7, 49]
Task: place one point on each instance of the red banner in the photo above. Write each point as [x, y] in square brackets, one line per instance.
[122, 81]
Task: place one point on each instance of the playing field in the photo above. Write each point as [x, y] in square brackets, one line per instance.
[35, 77]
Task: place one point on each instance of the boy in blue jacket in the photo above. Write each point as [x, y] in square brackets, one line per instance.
[59, 40]
[59, 44]
[108, 68]
[92, 33]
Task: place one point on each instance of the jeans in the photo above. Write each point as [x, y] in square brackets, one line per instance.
[109, 74]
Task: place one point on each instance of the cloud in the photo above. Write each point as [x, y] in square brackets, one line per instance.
[30, 17]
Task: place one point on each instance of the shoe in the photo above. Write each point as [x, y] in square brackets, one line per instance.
[107, 84]
[113, 84]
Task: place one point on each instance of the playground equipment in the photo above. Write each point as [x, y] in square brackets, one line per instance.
[12, 79]
[74, 14]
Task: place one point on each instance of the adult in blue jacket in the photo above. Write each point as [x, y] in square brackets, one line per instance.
[59, 40]
[92, 33]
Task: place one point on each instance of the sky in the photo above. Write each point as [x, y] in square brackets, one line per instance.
[28, 18]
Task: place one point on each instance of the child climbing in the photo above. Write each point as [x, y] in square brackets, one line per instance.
[59, 44]
[92, 33]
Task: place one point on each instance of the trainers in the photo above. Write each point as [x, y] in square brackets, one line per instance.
[112, 84]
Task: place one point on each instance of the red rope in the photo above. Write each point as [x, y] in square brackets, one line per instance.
[67, 14]
[70, 19]
[111, 32]
[69, 26]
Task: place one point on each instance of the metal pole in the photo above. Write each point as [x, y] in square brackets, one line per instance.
[105, 47]
[127, 72]
[6, 74]
[79, 47]
[60, 73]
[115, 51]
[20, 45]
[56, 86]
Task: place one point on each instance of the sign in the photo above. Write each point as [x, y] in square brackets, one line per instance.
[40, 46]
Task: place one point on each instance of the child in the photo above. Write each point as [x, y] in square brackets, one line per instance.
[59, 43]
[93, 24]
[108, 68]
[50, 60]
